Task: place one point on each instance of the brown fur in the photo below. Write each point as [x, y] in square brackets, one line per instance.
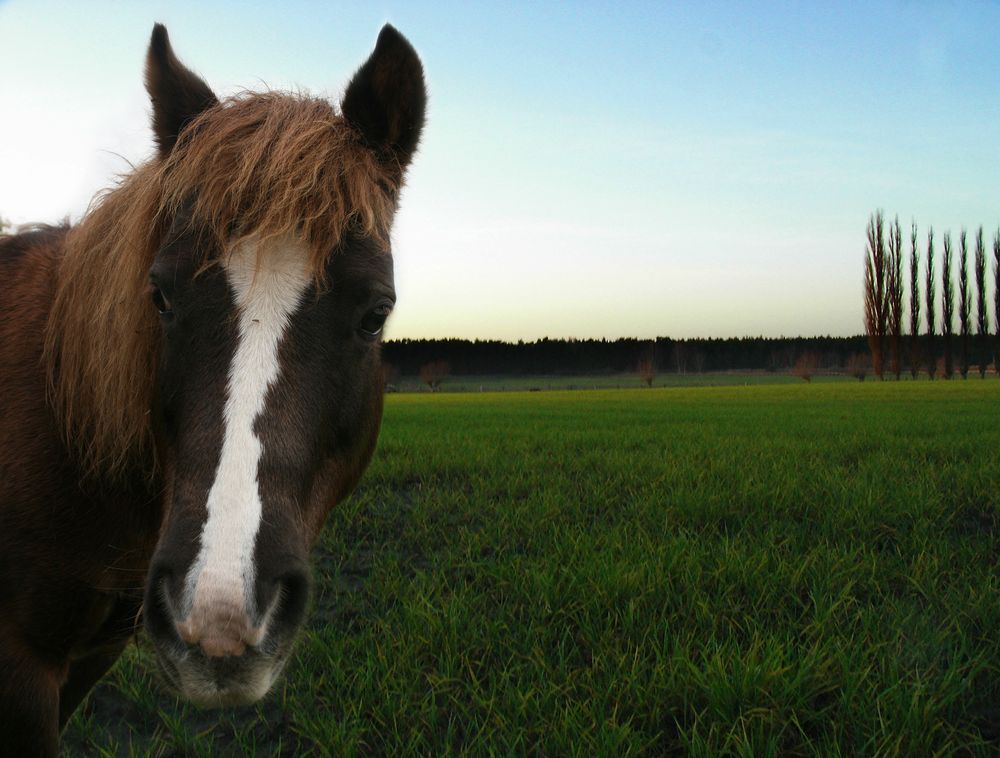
[264, 164]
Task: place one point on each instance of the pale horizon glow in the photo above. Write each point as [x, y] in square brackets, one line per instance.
[588, 170]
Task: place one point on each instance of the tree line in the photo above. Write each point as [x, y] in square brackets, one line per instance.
[938, 349]
[546, 356]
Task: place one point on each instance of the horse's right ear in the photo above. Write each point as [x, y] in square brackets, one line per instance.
[177, 94]
[386, 100]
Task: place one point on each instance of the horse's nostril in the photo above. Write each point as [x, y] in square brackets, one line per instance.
[157, 614]
[287, 608]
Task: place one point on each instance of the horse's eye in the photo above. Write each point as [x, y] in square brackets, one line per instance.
[371, 325]
[160, 301]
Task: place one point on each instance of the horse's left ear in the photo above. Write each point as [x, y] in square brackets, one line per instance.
[386, 100]
[177, 94]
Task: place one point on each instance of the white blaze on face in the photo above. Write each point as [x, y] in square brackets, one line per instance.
[267, 283]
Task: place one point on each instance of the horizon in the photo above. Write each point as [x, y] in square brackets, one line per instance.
[590, 170]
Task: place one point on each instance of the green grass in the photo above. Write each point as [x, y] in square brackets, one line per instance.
[794, 570]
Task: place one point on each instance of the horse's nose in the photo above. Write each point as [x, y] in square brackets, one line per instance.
[220, 624]
[220, 627]
[218, 620]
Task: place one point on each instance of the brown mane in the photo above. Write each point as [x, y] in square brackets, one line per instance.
[264, 164]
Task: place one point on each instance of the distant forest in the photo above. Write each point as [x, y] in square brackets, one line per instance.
[590, 356]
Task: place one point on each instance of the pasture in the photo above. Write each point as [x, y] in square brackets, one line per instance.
[793, 569]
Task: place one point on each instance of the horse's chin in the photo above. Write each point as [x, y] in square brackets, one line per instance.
[219, 682]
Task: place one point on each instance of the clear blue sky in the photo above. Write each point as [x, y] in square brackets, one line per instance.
[588, 169]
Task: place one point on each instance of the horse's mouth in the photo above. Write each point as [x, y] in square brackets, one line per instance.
[219, 682]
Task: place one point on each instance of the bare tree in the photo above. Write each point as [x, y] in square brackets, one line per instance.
[894, 296]
[964, 305]
[806, 365]
[433, 373]
[858, 365]
[647, 364]
[647, 371]
[914, 303]
[947, 307]
[698, 359]
[875, 300]
[982, 312]
[390, 377]
[680, 356]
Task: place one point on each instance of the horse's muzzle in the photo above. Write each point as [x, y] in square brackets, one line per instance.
[217, 655]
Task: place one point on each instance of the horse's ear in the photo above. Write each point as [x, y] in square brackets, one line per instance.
[177, 94]
[386, 100]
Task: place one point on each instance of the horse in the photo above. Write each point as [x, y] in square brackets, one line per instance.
[190, 380]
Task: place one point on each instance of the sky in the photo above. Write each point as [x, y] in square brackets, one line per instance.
[587, 169]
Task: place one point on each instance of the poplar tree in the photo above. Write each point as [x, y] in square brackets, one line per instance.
[894, 296]
[929, 294]
[875, 290]
[996, 300]
[964, 305]
[914, 303]
[947, 306]
[982, 312]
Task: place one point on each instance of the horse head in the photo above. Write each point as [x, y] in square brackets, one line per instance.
[271, 279]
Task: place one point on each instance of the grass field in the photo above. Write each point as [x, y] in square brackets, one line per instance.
[802, 569]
